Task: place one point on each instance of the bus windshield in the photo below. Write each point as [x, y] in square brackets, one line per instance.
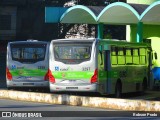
[75, 52]
[29, 53]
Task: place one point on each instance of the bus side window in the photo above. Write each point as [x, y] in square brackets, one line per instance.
[121, 57]
[128, 57]
[135, 56]
[114, 52]
[142, 56]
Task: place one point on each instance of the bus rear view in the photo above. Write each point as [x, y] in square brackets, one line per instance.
[72, 65]
[27, 64]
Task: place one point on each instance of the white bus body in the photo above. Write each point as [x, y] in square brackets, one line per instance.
[27, 64]
[75, 72]
[103, 66]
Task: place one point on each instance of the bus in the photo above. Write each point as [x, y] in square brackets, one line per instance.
[155, 61]
[27, 64]
[101, 66]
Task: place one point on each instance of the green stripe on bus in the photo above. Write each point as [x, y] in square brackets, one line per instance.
[82, 74]
[28, 72]
[107, 74]
[73, 74]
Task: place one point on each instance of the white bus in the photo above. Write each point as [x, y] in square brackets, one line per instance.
[27, 64]
[104, 66]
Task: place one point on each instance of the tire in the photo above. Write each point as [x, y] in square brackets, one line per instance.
[118, 90]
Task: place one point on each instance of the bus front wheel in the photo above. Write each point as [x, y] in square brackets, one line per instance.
[118, 90]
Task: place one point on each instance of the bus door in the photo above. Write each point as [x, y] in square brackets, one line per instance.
[104, 66]
[107, 67]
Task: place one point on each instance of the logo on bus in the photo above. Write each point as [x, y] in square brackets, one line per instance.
[20, 72]
[13, 66]
[63, 75]
[56, 68]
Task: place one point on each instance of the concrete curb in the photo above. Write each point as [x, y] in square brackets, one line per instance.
[121, 104]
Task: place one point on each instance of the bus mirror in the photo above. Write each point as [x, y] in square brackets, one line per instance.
[155, 56]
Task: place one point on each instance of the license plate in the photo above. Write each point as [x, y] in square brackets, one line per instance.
[72, 81]
[28, 83]
[71, 87]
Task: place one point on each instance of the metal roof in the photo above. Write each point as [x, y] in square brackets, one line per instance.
[115, 13]
[151, 15]
[80, 14]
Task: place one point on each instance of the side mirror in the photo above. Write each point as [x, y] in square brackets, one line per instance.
[155, 56]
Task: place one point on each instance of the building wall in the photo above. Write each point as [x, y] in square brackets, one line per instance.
[8, 15]
[21, 20]
[27, 20]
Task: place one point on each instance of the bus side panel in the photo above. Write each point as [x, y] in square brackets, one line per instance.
[134, 78]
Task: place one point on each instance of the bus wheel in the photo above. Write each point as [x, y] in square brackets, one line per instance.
[118, 90]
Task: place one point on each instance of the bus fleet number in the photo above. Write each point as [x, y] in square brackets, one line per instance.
[86, 69]
[41, 67]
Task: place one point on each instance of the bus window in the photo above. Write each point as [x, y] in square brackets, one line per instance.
[28, 53]
[72, 52]
[142, 51]
[121, 57]
[128, 56]
[113, 50]
[142, 56]
[113, 55]
[135, 56]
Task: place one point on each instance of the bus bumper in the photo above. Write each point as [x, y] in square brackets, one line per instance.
[27, 84]
[73, 88]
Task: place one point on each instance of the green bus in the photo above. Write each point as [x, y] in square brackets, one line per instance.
[103, 66]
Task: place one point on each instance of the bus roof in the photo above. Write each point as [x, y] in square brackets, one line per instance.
[74, 40]
[27, 41]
